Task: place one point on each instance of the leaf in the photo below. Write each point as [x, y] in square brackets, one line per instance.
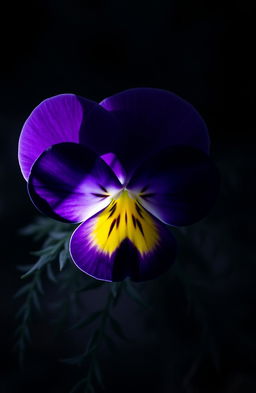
[93, 342]
[97, 372]
[35, 300]
[26, 313]
[21, 311]
[110, 343]
[66, 245]
[118, 329]
[26, 333]
[135, 295]
[23, 268]
[48, 250]
[92, 285]
[63, 259]
[74, 360]
[39, 286]
[58, 235]
[78, 384]
[50, 274]
[43, 260]
[21, 345]
[86, 321]
[116, 292]
[22, 291]
[114, 289]
[28, 230]
[45, 251]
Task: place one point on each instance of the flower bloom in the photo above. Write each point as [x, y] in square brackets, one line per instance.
[69, 152]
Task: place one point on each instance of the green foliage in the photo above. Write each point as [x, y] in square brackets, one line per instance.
[31, 293]
[53, 267]
[135, 295]
[91, 285]
[88, 358]
[86, 321]
[53, 237]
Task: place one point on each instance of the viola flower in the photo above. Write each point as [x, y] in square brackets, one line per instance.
[69, 152]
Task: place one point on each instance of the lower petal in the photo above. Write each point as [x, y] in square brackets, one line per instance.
[121, 256]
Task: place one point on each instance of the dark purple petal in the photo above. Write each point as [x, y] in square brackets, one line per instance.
[69, 182]
[116, 166]
[126, 261]
[57, 119]
[150, 119]
[179, 185]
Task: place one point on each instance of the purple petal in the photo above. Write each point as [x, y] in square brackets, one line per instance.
[112, 161]
[151, 119]
[126, 260]
[69, 182]
[179, 185]
[57, 119]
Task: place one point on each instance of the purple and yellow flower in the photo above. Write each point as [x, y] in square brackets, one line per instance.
[127, 169]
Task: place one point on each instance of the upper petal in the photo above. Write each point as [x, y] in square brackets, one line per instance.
[116, 166]
[178, 185]
[151, 119]
[55, 120]
[132, 124]
[69, 182]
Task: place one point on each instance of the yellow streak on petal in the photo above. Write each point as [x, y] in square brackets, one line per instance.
[124, 218]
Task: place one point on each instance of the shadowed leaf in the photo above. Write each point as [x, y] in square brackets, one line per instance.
[63, 258]
[97, 372]
[78, 385]
[118, 329]
[74, 360]
[92, 285]
[43, 260]
[86, 321]
[35, 300]
[135, 295]
[50, 274]
[22, 291]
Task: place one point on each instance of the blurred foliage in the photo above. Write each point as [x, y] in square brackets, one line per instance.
[54, 265]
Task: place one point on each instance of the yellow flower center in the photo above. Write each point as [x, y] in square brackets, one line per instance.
[124, 218]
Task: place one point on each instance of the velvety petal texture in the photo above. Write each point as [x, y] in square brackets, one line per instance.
[149, 120]
[132, 124]
[178, 185]
[126, 261]
[125, 168]
[70, 182]
[57, 119]
[116, 166]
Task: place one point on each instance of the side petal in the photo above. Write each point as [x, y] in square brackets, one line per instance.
[151, 119]
[57, 119]
[126, 260]
[69, 182]
[178, 185]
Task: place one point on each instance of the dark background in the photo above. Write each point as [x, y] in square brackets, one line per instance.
[200, 336]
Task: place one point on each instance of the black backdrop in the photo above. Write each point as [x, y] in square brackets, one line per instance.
[203, 52]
